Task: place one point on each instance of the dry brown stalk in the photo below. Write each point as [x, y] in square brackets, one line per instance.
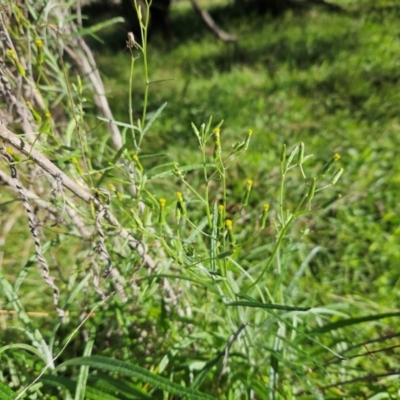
[83, 193]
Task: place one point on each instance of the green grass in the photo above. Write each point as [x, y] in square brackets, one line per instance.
[329, 80]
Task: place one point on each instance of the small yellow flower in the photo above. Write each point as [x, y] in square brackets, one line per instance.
[137, 162]
[14, 58]
[11, 53]
[10, 151]
[179, 196]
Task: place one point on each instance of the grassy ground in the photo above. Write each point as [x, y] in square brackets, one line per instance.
[327, 79]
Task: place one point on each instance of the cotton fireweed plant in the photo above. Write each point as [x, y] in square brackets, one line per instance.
[233, 276]
[229, 277]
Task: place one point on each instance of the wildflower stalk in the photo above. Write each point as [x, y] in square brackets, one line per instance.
[275, 250]
[282, 183]
[143, 48]
[130, 101]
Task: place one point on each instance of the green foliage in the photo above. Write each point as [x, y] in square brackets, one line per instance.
[230, 269]
[141, 374]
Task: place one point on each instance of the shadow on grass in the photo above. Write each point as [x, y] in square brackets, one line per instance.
[312, 62]
[188, 26]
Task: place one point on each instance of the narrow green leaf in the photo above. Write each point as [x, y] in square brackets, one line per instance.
[153, 118]
[6, 393]
[97, 27]
[353, 321]
[196, 132]
[207, 368]
[258, 386]
[84, 369]
[33, 334]
[225, 254]
[301, 270]
[119, 123]
[70, 385]
[54, 380]
[182, 169]
[124, 388]
[134, 371]
[113, 162]
[313, 390]
[256, 304]
[22, 346]
[76, 290]
[213, 239]
[246, 297]
[273, 376]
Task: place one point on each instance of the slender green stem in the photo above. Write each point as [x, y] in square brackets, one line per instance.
[224, 190]
[130, 101]
[143, 30]
[206, 180]
[281, 195]
[194, 191]
[276, 248]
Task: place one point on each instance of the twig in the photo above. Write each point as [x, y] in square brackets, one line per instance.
[77, 223]
[60, 192]
[214, 28]
[363, 344]
[39, 159]
[85, 61]
[29, 313]
[330, 6]
[367, 378]
[228, 347]
[101, 244]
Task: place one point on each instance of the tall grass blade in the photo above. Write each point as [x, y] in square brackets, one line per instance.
[256, 304]
[125, 388]
[6, 393]
[84, 369]
[134, 371]
[23, 346]
[70, 385]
